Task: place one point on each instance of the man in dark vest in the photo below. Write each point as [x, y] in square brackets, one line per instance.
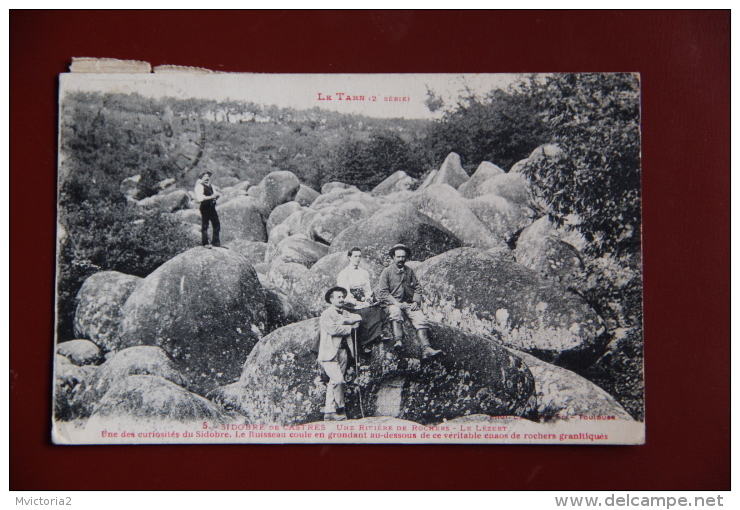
[206, 194]
[400, 293]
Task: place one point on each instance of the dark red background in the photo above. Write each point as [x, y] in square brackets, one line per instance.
[684, 58]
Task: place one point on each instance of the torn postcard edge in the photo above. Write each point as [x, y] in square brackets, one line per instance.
[164, 335]
[108, 65]
[113, 65]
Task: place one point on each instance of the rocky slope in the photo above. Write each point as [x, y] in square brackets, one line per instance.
[228, 331]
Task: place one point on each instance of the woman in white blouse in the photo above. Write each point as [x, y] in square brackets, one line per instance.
[356, 281]
[361, 299]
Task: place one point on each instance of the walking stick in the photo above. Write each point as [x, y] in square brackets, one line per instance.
[357, 369]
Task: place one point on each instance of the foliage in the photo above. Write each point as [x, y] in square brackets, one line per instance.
[595, 119]
[103, 230]
[502, 127]
[366, 163]
[619, 371]
[111, 237]
[109, 138]
[614, 289]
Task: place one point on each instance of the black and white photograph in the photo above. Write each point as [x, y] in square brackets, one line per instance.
[349, 258]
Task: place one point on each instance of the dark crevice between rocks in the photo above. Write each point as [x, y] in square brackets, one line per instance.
[511, 241]
[316, 237]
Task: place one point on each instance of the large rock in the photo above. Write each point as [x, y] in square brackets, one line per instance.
[337, 197]
[445, 205]
[428, 180]
[300, 222]
[399, 197]
[286, 275]
[234, 191]
[323, 275]
[66, 379]
[243, 186]
[398, 181]
[167, 201]
[519, 167]
[513, 187]
[149, 401]
[299, 249]
[473, 376]
[281, 212]
[355, 210]
[190, 217]
[487, 293]
[253, 251]
[568, 232]
[81, 352]
[329, 186]
[274, 237]
[327, 226]
[283, 308]
[503, 218]
[451, 172]
[547, 152]
[485, 171]
[542, 154]
[202, 307]
[241, 219]
[99, 304]
[281, 381]
[70, 375]
[275, 188]
[540, 250]
[227, 181]
[306, 195]
[562, 394]
[400, 223]
[132, 361]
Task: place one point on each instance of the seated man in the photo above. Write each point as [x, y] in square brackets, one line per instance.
[400, 292]
[336, 327]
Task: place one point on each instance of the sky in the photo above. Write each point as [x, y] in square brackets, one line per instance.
[378, 95]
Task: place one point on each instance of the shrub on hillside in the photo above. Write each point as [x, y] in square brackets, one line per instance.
[366, 163]
[595, 119]
[502, 127]
[114, 236]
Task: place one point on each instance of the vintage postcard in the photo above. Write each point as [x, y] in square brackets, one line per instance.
[256, 258]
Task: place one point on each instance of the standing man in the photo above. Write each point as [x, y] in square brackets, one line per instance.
[400, 292]
[206, 195]
[335, 345]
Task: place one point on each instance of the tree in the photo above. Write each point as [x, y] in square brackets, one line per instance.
[366, 163]
[502, 127]
[111, 236]
[104, 231]
[595, 119]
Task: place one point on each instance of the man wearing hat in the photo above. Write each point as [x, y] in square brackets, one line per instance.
[206, 195]
[400, 292]
[336, 327]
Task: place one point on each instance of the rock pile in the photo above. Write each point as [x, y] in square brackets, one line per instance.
[236, 325]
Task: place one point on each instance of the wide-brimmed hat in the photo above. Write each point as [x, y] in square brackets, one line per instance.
[392, 251]
[332, 290]
[200, 175]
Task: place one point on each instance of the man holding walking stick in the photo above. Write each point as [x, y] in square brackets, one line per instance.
[335, 347]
